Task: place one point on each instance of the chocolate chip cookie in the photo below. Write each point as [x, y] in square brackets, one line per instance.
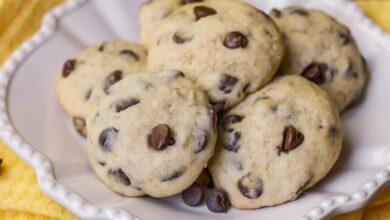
[277, 143]
[322, 50]
[88, 75]
[228, 48]
[152, 134]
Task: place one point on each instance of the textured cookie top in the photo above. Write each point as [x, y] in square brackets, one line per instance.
[323, 50]
[227, 47]
[90, 73]
[153, 134]
[278, 142]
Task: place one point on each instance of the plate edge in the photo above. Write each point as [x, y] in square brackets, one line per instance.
[43, 169]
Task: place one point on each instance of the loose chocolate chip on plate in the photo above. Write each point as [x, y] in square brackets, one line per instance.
[227, 83]
[179, 39]
[183, 2]
[173, 176]
[232, 143]
[160, 137]
[202, 142]
[111, 79]
[218, 201]
[300, 12]
[291, 139]
[107, 139]
[345, 39]
[80, 126]
[235, 39]
[129, 53]
[276, 12]
[229, 120]
[250, 186]
[69, 67]
[193, 195]
[203, 11]
[315, 72]
[120, 176]
[124, 104]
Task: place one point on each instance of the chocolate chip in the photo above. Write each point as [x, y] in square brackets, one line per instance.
[301, 12]
[160, 137]
[232, 143]
[291, 139]
[69, 67]
[227, 83]
[250, 186]
[88, 94]
[201, 143]
[212, 116]
[130, 54]
[218, 201]
[184, 2]
[315, 72]
[193, 195]
[204, 179]
[218, 105]
[276, 12]
[179, 39]
[101, 163]
[203, 11]
[120, 176]
[122, 105]
[229, 120]
[235, 39]
[174, 175]
[111, 79]
[107, 139]
[345, 39]
[80, 126]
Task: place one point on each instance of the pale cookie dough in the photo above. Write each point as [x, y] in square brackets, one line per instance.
[153, 134]
[323, 50]
[277, 143]
[87, 76]
[228, 48]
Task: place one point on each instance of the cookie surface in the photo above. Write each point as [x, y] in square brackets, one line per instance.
[153, 134]
[277, 143]
[322, 50]
[90, 73]
[228, 48]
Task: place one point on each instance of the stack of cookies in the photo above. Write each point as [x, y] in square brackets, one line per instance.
[222, 102]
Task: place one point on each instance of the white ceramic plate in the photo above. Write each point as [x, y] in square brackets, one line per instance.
[33, 124]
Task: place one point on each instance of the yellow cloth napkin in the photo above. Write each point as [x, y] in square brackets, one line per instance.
[20, 196]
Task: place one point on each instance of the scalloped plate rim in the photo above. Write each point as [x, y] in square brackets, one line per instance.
[42, 166]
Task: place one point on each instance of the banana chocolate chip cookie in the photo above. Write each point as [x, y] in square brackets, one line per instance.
[92, 72]
[228, 48]
[152, 134]
[322, 50]
[277, 143]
